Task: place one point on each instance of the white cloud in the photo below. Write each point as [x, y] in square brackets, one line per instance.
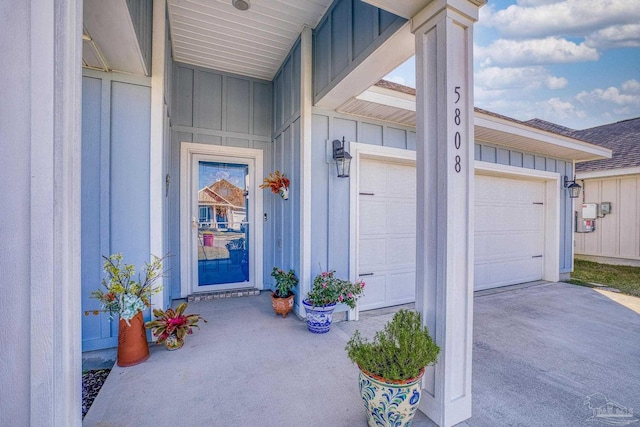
[525, 78]
[550, 50]
[611, 95]
[632, 86]
[615, 37]
[535, 18]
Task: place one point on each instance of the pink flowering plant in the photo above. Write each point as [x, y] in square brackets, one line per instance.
[173, 322]
[328, 289]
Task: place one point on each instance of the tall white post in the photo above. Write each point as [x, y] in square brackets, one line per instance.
[444, 85]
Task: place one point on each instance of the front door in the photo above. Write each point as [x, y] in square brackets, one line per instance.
[221, 235]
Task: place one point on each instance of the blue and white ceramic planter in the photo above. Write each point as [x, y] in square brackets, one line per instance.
[318, 318]
[389, 403]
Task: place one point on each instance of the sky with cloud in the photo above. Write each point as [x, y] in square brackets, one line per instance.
[571, 62]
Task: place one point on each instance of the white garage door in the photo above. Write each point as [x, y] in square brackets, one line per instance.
[509, 231]
[387, 232]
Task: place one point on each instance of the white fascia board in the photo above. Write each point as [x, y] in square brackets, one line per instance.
[608, 173]
[405, 8]
[502, 125]
[389, 97]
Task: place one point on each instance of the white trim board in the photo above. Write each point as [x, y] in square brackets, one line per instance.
[188, 151]
[608, 173]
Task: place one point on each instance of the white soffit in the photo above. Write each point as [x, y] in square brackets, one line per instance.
[405, 8]
[109, 40]
[255, 42]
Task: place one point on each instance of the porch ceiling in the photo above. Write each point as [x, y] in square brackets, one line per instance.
[214, 34]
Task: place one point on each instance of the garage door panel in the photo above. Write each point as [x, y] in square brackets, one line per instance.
[387, 232]
[509, 231]
[401, 287]
[373, 253]
[374, 293]
[401, 252]
[372, 216]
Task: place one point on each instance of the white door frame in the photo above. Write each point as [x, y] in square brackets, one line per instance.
[358, 151]
[189, 150]
[551, 220]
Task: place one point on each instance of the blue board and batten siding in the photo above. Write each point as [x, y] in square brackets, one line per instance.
[114, 187]
[504, 156]
[286, 158]
[349, 32]
[217, 108]
[330, 194]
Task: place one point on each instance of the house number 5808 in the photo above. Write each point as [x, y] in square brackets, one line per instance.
[457, 139]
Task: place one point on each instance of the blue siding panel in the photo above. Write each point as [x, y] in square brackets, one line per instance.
[261, 110]
[319, 194]
[321, 57]
[340, 37]
[528, 161]
[540, 163]
[141, 12]
[208, 101]
[488, 154]
[364, 30]
[516, 159]
[502, 156]
[370, 133]
[348, 33]
[237, 104]
[183, 96]
[396, 138]
[411, 141]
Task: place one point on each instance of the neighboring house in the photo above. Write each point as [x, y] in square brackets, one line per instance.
[612, 237]
[107, 130]
[221, 205]
[616, 238]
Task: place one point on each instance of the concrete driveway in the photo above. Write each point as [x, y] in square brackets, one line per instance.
[548, 354]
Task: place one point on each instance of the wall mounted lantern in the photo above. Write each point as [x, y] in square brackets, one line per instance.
[342, 158]
[572, 186]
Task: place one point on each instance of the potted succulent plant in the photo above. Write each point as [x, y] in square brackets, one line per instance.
[391, 367]
[326, 292]
[126, 297]
[172, 326]
[282, 297]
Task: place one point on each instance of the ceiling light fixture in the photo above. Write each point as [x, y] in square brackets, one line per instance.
[241, 4]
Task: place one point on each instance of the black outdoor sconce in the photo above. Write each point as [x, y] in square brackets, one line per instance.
[573, 187]
[342, 158]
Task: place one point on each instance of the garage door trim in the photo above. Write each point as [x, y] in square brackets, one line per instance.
[551, 229]
[359, 151]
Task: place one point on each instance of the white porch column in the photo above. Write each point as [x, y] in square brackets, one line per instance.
[157, 167]
[444, 84]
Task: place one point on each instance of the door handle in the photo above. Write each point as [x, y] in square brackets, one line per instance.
[365, 274]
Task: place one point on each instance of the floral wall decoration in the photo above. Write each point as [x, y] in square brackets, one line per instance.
[278, 183]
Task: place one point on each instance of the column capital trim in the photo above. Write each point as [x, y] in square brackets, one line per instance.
[467, 8]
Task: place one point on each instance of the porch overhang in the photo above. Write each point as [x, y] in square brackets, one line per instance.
[498, 130]
[387, 102]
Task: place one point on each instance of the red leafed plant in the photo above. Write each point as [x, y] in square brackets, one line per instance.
[172, 322]
[275, 181]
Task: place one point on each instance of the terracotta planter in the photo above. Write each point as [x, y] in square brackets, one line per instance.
[389, 403]
[132, 341]
[282, 305]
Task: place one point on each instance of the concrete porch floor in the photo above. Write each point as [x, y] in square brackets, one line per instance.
[540, 352]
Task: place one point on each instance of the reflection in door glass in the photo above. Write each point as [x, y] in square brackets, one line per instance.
[223, 229]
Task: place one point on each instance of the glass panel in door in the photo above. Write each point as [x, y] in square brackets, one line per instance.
[223, 227]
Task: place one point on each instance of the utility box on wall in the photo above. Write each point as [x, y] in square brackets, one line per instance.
[590, 211]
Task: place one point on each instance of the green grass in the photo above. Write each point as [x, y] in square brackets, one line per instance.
[622, 277]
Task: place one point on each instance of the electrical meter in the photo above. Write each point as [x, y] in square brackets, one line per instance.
[589, 210]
